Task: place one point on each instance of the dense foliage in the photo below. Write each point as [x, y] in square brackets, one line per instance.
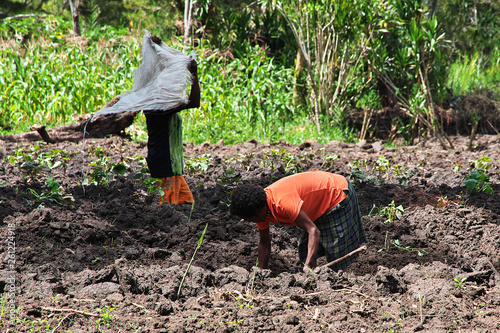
[269, 70]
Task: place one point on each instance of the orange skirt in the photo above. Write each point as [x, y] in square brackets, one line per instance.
[175, 190]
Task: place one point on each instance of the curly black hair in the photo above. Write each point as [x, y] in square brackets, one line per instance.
[246, 200]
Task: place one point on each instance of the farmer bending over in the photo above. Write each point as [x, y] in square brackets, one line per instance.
[322, 204]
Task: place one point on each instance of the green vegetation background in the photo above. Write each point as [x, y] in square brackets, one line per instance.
[247, 52]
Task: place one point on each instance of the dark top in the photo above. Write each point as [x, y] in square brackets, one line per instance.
[159, 162]
[158, 158]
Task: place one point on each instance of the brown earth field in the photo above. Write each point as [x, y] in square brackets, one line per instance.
[108, 257]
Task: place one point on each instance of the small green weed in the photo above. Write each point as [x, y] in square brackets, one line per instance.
[106, 317]
[460, 282]
[357, 176]
[328, 160]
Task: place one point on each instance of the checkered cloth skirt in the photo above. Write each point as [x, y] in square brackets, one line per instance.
[341, 232]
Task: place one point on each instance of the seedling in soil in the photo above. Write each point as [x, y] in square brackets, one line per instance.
[391, 212]
[228, 177]
[246, 160]
[456, 167]
[460, 282]
[192, 258]
[152, 184]
[198, 165]
[382, 165]
[102, 171]
[106, 317]
[422, 162]
[329, 160]
[55, 193]
[445, 202]
[272, 159]
[357, 176]
[386, 243]
[403, 176]
[398, 244]
[478, 181]
[483, 163]
[29, 165]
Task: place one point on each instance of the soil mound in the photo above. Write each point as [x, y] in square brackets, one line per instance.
[107, 257]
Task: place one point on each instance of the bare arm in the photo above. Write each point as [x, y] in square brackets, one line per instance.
[194, 96]
[304, 222]
[264, 248]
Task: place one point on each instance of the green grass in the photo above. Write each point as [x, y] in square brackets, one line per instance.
[470, 74]
[49, 77]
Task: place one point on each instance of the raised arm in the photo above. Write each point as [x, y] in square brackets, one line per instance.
[194, 96]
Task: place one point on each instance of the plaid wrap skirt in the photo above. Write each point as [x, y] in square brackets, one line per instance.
[341, 230]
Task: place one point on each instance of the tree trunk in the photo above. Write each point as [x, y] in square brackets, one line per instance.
[110, 124]
[74, 4]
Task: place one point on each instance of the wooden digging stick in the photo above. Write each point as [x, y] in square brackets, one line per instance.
[347, 256]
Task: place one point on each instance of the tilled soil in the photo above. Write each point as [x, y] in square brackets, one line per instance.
[116, 260]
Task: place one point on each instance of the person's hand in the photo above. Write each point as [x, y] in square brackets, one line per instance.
[193, 66]
[307, 269]
[156, 40]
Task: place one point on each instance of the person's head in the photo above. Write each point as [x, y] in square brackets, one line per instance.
[249, 202]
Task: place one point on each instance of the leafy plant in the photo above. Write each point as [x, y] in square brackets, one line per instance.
[151, 183]
[478, 181]
[273, 158]
[198, 164]
[55, 193]
[391, 212]
[229, 176]
[328, 160]
[403, 176]
[456, 167]
[102, 171]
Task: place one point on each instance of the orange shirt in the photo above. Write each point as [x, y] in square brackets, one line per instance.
[315, 192]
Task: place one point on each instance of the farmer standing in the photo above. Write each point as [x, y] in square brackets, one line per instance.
[159, 90]
[165, 150]
[322, 204]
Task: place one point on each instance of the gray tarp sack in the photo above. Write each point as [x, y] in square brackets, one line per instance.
[160, 82]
